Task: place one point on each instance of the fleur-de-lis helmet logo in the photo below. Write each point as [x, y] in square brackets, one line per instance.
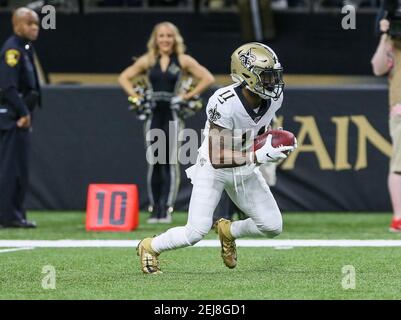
[247, 58]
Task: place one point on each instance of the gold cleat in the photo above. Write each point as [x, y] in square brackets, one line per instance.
[228, 247]
[150, 263]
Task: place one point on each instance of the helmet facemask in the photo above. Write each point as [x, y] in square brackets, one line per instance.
[256, 67]
[270, 82]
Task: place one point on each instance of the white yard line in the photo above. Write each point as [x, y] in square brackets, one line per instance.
[204, 243]
[14, 249]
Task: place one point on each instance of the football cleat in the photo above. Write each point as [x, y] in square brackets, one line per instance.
[150, 263]
[227, 241]
[395, 225]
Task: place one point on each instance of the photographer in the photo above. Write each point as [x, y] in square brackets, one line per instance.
[387, 60]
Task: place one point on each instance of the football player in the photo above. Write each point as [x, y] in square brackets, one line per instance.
[247, 106]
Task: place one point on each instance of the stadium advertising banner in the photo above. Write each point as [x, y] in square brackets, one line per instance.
[344, 147]
[87, 135]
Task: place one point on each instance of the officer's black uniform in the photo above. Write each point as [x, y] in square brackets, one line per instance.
[164, 178]
[19, 95]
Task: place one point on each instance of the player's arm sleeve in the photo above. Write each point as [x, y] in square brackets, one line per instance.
[219, 113]
[9, 70]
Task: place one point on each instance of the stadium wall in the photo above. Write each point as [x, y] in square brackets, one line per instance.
[86, 135]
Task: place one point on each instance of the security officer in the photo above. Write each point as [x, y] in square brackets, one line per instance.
[19, 95]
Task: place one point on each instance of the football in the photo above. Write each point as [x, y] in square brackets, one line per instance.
[279, 137]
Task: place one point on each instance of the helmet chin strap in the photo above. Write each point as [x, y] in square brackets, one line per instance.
[275, 95]
[255, 92]
[261, 95]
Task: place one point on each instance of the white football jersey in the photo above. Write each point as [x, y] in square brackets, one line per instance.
[228, 108]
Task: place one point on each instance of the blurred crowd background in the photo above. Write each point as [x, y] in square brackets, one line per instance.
[310, 5]
[307, 34]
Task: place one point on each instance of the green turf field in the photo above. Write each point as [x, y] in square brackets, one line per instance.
[198, 273]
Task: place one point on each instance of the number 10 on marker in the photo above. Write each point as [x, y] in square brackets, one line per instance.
[112, 207]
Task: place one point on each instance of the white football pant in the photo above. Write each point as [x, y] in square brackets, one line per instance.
[250, 193]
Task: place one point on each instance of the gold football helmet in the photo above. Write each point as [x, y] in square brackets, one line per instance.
[256, 66]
